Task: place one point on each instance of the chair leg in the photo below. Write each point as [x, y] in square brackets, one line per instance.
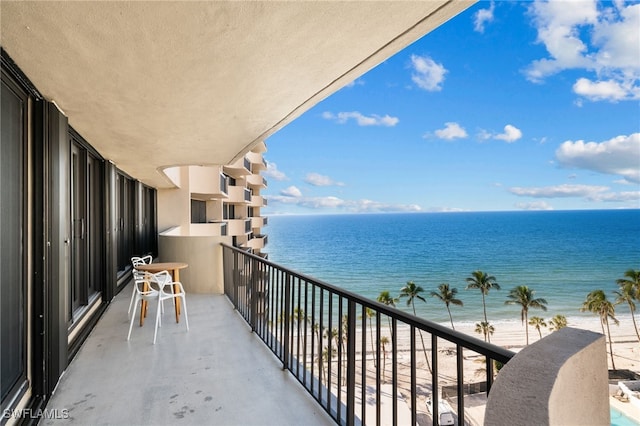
[158, 309]
[184, 308]
[133, 296]
[133, 317]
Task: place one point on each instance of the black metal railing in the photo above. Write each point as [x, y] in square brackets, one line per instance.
[358, 358]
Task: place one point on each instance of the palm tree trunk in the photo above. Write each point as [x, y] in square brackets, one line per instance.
[450, 318]
[424, 349]
[613, 364]
[484, 308]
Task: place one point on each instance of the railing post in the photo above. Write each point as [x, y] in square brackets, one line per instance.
[236, 278]
[286, 319]
[460, 372]
[435, 391]
[253, 293]
[351, 362]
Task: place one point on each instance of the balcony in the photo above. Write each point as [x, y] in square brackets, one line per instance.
[216, 373]
[239, 195]
[258, 242]
[257, 201]
[238, 227]
[256, 181]
[207, 182]
[258, 221]
[204, 370]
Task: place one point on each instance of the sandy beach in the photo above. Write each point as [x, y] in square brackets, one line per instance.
[508, 334]
[511, 335]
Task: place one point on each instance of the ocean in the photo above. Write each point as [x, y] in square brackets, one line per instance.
[562, 255]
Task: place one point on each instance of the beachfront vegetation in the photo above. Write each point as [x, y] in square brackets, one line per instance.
[597, 303]
[447, 295]
[524, 296]
[485, 329]
[557, 322]
[538, 323]
[481, 281]
[630, 293]
[412, 291]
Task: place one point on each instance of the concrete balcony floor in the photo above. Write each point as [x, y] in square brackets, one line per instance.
[218, 372]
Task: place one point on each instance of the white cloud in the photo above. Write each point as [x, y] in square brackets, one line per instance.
[511, 134]
[332, 203]
[273, 172]
[623, 196]
[536, 205]
[559, 191]
[483, 16]
[601, 38]
[291, 191]
[361, 119]
[316, 179]
[601, 90]
[427, 74]
[617, 156]
[451, 131]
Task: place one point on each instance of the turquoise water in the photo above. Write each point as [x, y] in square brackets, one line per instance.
[619, 419]
[562, 255]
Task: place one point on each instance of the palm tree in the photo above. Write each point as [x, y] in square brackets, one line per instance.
[370, 313]
[630, 291]
[557, 322]
[412, 291]
[448, 296]
[483, 282]
[386, 299]
[537, 323]
[523, 296]
[597, 303]
[384, 340]
[485, 329]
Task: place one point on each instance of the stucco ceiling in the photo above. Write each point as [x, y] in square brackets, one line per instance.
[158, 84]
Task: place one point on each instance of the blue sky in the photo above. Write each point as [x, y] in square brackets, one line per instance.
[508, 106]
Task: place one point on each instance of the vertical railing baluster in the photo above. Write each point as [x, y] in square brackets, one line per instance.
[285, 315]
[489, 374]
[413, 375]
[339, 343]
[252, 291]
[394, 393]
[460, 368]
[435, 393]
[351, 362]
[329, 349]
[378, 383]
[305, 314]
[363, 368]
[313, 338]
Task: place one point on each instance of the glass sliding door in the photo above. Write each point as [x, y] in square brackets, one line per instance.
[87, 210]
[13, 299]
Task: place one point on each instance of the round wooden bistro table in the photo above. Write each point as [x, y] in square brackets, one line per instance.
[174, 269]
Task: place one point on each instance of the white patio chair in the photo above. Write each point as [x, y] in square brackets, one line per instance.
[150, 289]
[136, 261]
[170, 290]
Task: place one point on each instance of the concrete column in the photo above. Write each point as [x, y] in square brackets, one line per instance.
[560, 380]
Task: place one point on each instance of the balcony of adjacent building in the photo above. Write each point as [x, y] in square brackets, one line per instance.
[208, 182]
[239, 195]
[307, 354]
[239, 169]
[256, 181]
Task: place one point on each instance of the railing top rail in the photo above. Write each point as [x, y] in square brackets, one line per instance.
[493, 351]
